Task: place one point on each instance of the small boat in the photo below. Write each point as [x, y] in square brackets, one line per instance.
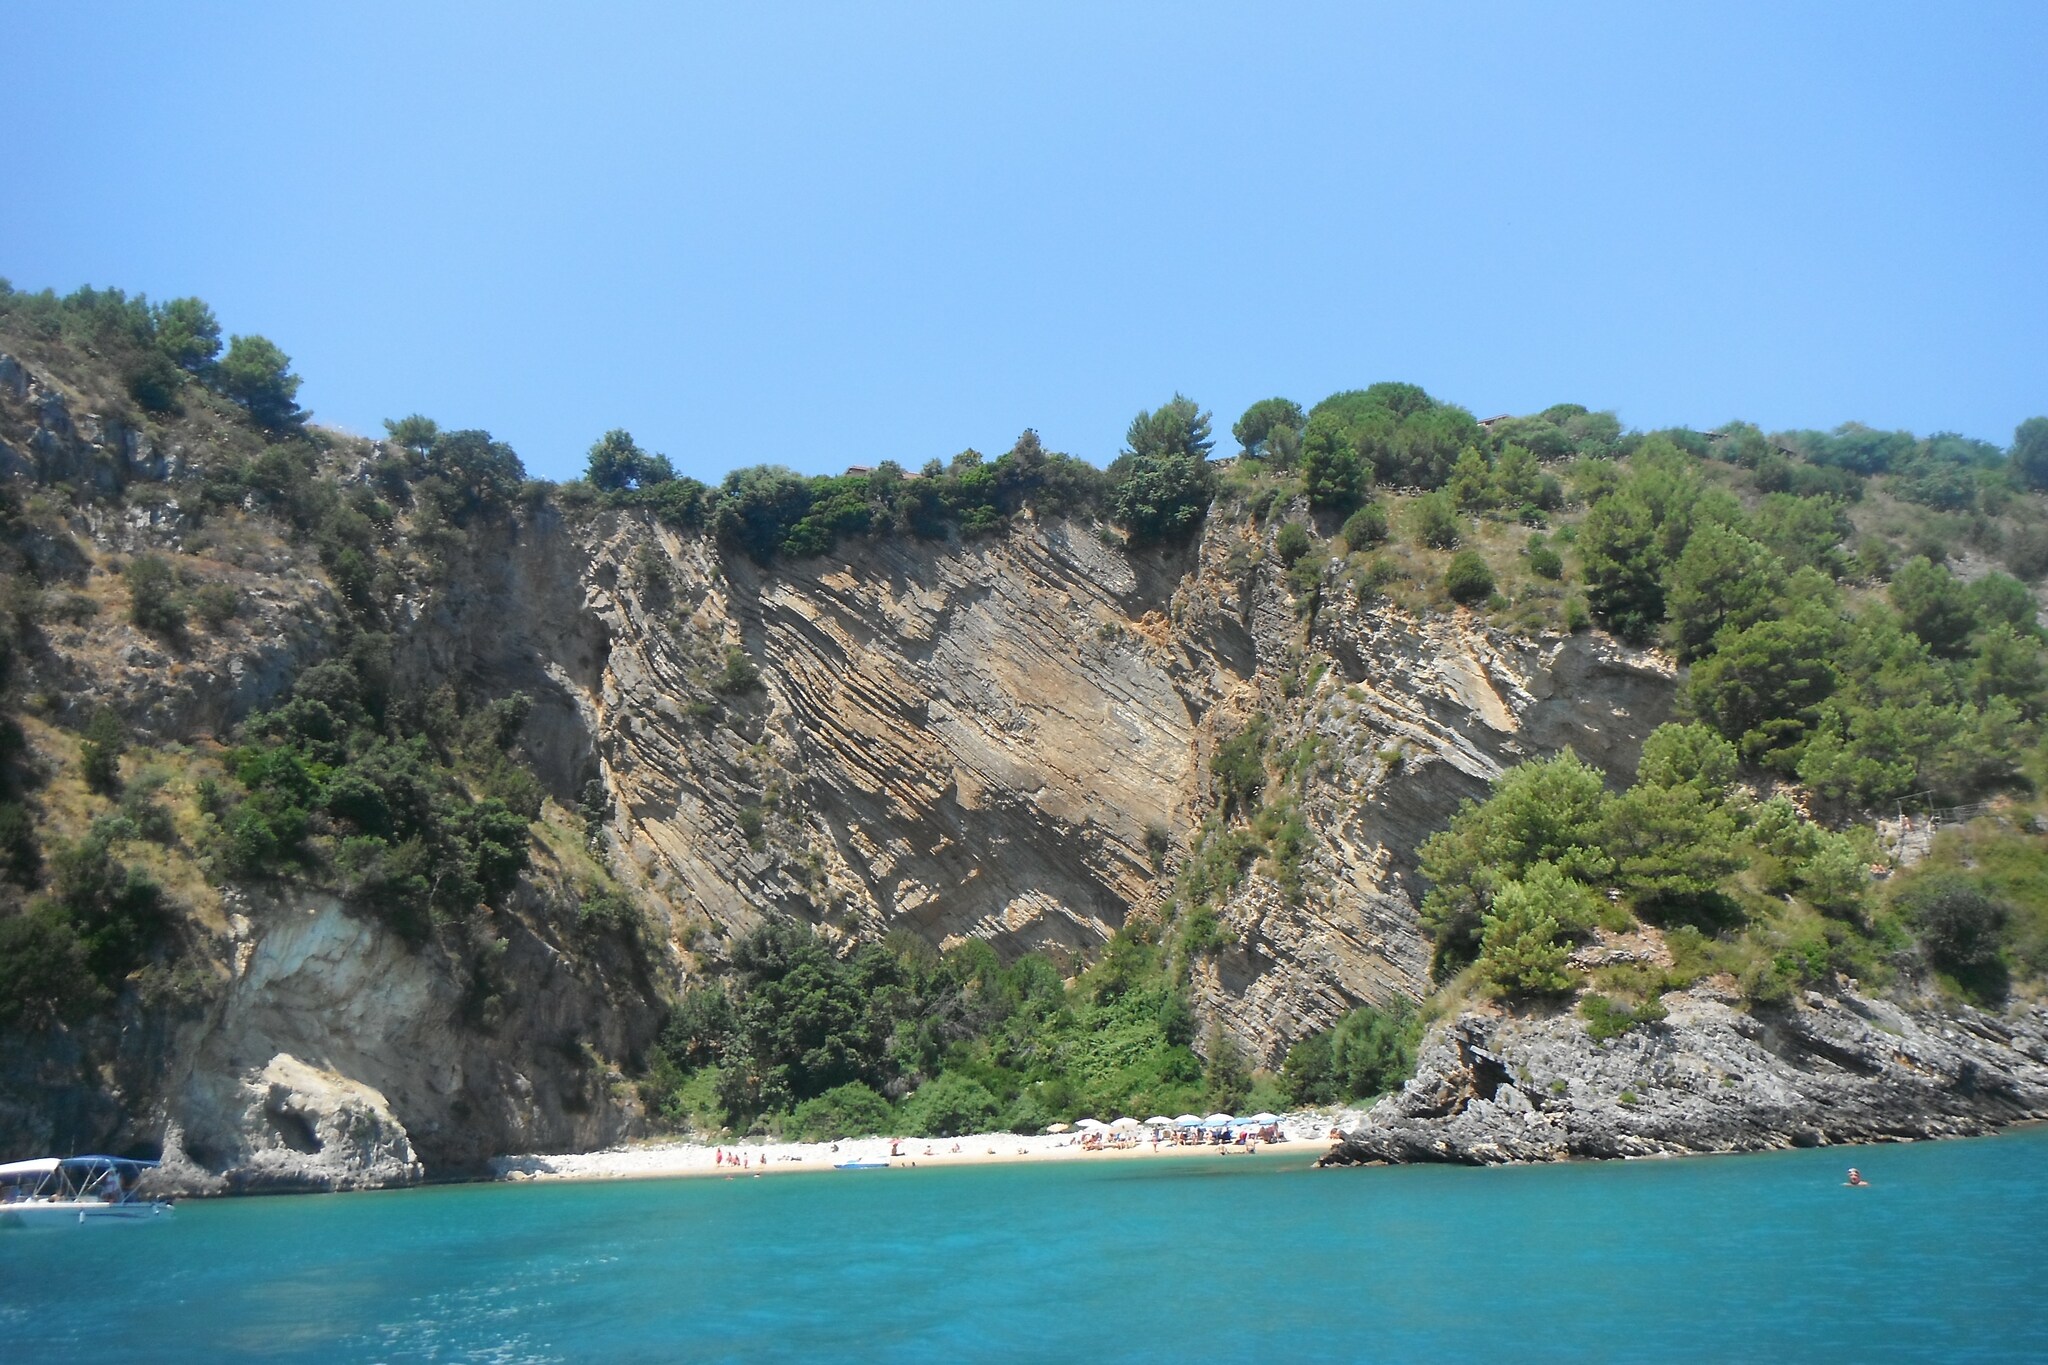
[860, 1165]
[58, 1191]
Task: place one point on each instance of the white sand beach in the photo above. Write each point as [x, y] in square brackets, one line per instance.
[1306, 1135]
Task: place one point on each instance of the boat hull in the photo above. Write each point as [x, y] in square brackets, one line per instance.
[54, 1213]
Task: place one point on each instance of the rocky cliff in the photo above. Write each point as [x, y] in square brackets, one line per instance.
[1712, 1077]
[1006, 737]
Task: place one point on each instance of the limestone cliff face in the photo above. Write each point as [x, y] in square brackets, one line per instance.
[1008, 739]
[339, 1056]
[966, 741]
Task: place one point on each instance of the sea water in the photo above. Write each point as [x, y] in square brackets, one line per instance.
[1238, 1258]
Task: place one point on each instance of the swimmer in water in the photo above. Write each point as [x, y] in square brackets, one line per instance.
[1856, 1177]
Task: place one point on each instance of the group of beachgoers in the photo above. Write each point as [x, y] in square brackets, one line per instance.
[1243, 1134]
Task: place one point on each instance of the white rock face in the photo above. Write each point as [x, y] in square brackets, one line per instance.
[289, 1125]
[339, 1057]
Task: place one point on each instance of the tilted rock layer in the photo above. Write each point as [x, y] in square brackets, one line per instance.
[1008, 739]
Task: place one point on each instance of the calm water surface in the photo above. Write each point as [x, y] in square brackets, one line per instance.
[1726, 1259]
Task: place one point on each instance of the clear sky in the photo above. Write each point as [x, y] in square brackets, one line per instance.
[835, 233]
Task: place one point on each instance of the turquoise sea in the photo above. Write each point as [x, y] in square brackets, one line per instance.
[1763, 1258]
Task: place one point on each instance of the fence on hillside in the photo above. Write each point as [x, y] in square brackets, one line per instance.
[1910, 836]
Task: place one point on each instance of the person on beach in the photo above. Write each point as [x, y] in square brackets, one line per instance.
[1856, 1177]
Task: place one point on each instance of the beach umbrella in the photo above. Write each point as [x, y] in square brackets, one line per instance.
[1090, 1123]
[1124, 1123]
[1217, 1118]
[1265, 1118]
[1159, 1121]
[1058, 1127]
[1189, 1121]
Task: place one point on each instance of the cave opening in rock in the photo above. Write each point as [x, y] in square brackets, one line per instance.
[294, 1130]
[1488, 1072]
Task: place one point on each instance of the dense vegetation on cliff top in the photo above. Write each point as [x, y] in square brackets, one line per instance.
[1852, 606]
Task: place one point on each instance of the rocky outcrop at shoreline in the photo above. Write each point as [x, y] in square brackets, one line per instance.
[1711, 1077]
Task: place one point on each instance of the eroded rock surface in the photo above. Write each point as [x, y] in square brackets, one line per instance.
[1710, 1078]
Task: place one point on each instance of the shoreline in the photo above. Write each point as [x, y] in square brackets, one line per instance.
[674, 1159]
[683, 1159]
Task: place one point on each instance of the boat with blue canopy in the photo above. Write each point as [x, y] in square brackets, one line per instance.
[59, 1191]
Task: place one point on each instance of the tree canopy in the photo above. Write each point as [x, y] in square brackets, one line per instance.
[256, 374]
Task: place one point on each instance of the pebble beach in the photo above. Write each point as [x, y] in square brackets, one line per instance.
[1304, 1134]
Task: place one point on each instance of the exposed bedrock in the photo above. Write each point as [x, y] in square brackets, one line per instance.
[1000, 738]
[339, 1056]
[1710, 1078]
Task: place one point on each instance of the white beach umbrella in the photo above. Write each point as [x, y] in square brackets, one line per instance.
[1263, 1117]
[1159, 1121]
[1189, 1120]
[1124, 1123]
[1090, 1123]
[1217, 1118]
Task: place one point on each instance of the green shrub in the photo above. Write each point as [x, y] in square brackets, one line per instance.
[1226, 1075]
[99, 755]
[740, 676]
[150, 817]
[45, 977]
[1239, 767]
[1468, 580]
[606, 911]
[1365, 528]
[1606, 1018]
[850, 1110]
[117, 911]
[951, 1105]
[1435, 522]
[1203, 932]
[1368, 1052]
[21, 858]
[217, 604]
[1291, 542]
[1958, 924]
[154, 603]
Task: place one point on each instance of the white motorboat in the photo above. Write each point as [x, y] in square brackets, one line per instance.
[62, 1191]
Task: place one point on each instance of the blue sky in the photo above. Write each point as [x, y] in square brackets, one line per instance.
[830, 234]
